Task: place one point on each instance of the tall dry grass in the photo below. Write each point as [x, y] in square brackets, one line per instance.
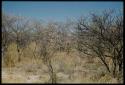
[69, 68]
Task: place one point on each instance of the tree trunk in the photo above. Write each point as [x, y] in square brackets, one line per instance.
[52, 73]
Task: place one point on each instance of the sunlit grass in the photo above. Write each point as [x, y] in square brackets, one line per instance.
[70, 68]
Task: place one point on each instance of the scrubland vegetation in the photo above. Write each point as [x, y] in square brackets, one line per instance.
[89, 50]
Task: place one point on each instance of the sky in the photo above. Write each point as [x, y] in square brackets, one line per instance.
[58, 11]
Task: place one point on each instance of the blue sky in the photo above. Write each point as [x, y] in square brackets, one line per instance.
[57, 11]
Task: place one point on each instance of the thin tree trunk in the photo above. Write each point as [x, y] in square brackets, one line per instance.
[107, 67]
[18, 49]
[52, 73]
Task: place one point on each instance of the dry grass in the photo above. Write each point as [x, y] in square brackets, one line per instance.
[69, 68]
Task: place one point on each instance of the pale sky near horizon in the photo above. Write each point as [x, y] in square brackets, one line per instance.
[57, 11]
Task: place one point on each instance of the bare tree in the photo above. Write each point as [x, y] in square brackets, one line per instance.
[7, 38]
[7, 21]
[64, 35]
[19, 29]
[47, 46]
[102, 36]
